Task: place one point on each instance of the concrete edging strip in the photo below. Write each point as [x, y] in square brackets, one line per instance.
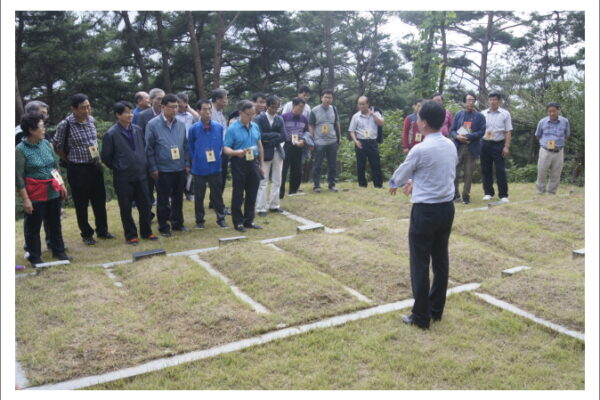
[515, 310]
[159, 364]
[259, 308]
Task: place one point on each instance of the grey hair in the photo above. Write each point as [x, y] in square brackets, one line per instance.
[35, 105]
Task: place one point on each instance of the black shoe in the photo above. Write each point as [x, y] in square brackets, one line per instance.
[222, 223]
[409, 319]
[262, 214]
[466, 200]
[165, 234]
[333, 189]
[88, 240]
[253, 226]
[200, 225]
[240, 228]
[436, 318]
[35, 261]
[61, 256]
[106, 235]
[181, 229]
[277, 210]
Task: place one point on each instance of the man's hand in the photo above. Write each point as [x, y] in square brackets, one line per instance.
[27, 206]
[300, 143]
[505, 152]
[187, 170]
[63, 192]
[407, 189]
[405, 151]
[462, 138]
[261, 172]
[358, 144]
[240, 153]
[393, 191]
[154, 175]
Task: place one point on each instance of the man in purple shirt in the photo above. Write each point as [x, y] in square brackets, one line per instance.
[296, 128]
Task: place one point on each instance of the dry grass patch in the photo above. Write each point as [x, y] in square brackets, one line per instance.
[386, 233]
[380, 275]
[288, 286]
[556, 294]
[116, 249]
[476, 346]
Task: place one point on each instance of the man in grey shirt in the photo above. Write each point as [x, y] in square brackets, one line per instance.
[324, 126]
[428, 173]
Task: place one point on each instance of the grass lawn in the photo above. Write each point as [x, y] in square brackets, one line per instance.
[476, 346]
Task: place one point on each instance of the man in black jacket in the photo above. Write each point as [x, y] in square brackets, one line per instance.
[123, 151]
[272, 136]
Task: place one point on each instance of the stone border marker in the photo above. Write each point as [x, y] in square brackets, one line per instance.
[512, 271]
[310, 228]
[148, 253]
[52, 263]
[579, 253]
[233, 239]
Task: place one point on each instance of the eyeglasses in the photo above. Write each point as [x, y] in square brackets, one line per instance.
[172, 107]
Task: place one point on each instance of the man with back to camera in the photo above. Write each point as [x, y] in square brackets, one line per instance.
[428, 173]
[467, 130]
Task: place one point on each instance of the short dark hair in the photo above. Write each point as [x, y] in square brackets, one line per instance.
[183, 97]
[120, 106]
[258, 95]
[244, 105]
[326, 91]
[468, 94]
[298, 100]
[551, 104]
[77, 99]
[437, 94]
[218, 94]
[30, 121]
[433, 113]
[495, 94]
[169, 98]
[303, 89]
[202, 101]
[418, 101]
[272, 99]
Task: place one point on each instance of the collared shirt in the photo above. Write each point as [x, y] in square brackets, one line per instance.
[187, 118]
[239, 137]
[497, 123]
[160, 140]
[270, 117]
[557, 130]
[128, 133]
[136, 112]
[82, 135]
[219, 117]
[364, 126]
[447, 125]
[202, 139]
[432, 168]
[289, 105]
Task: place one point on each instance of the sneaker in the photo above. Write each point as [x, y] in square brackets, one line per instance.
[333, 189]
[61, 256]
[262, 213]
[133, 241]
[487, 197]
[107, 235]
[200, 225]
[152, 236]
[222, 223]
[504, 200]
[457, 199]
[89, 241]
[317, 190]
[252, 226]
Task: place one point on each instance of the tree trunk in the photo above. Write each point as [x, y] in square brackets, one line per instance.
[558, 46]
[329, 50]
[444, 54]
[219, 36]
[18, 102]
[165, 53]
[135, 48]
[483, 92]
[201, 89]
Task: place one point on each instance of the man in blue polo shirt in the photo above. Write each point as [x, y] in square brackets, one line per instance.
[205, 139]
[243, 145]
[552, 132]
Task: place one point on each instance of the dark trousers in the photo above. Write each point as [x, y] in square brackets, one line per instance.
[151, 188]
[170, 185]
[370, 151]
[87, 186]
[292, 162]
[322, 151]
[225, 165]
[491, 154]
[134, 191]
[246, 179]
[216, 196]
[49, 212]
[430, 226]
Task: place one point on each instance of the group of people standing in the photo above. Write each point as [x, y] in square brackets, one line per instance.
[161, 149]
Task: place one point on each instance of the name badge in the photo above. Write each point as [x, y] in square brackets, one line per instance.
[175, 153]
[249, 154]
[325, 129]
[295, 138]
[488, 135]
[550, 144]
[94, 151]
[210, 156]
[418, 137]
[56, 175]
[366, 134]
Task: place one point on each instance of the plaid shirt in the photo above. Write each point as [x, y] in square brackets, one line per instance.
[81, 137]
